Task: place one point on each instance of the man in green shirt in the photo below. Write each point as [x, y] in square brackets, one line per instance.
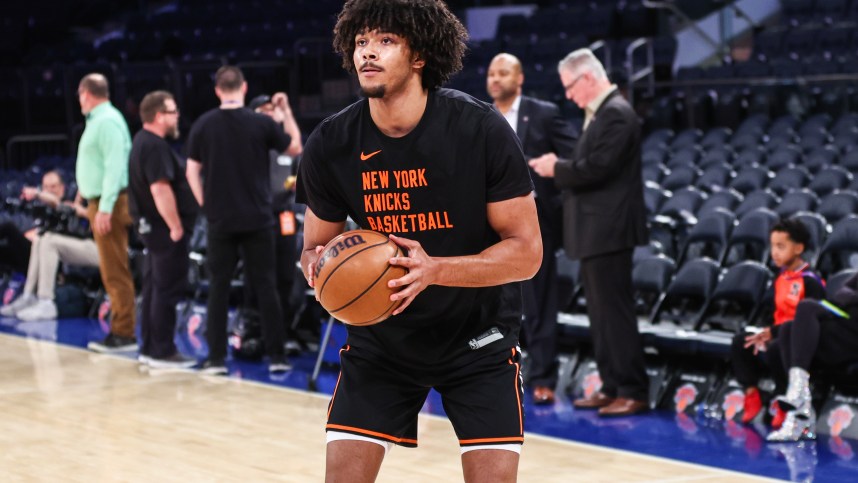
[102, 178]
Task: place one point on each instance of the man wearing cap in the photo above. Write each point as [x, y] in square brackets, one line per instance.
[283, 170]
[230, 146]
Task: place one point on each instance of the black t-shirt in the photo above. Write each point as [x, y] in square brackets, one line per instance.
[431, 186]
[152, 159]
[233, 145]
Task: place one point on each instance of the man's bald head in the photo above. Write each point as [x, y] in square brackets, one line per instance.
[504, 78]
[96, 85]
[509, 60]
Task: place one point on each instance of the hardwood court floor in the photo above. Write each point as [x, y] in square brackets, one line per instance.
[70, 415]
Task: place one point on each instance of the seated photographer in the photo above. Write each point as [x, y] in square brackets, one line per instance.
[15, 242]
[64, 238]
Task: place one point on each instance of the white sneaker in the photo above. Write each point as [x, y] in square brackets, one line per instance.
[22, 302]
[43, 309]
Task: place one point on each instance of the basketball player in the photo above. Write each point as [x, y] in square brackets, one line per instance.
[444, 175]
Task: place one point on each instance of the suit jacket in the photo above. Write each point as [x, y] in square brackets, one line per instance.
[541, 130]
[603, 204]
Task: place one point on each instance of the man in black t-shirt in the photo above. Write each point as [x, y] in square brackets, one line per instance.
[444, 175]
[164, 210]
[229, 147]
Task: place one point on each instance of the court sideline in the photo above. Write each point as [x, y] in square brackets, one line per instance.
[71, 415]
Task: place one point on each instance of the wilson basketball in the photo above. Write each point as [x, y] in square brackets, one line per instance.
[352, 274]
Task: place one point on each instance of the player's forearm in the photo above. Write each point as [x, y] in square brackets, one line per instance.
[317, 232]
[511, 260]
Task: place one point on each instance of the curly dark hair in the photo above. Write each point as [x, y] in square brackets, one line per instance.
[429, 27]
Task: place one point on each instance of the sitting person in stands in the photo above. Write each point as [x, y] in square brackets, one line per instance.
[15, 244]
[823, 333]
[751, 354]
[63, 239]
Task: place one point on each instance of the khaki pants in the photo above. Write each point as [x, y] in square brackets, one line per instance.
[113, 264]
[48, 251]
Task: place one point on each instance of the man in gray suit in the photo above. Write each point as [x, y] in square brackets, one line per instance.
[541, 129]
[604, 218]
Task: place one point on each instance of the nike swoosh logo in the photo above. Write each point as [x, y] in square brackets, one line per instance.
[364, 157]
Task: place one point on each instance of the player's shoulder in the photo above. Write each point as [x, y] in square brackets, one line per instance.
[462, 101]
[345, 117]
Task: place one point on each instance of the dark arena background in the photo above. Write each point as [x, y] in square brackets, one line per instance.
[749, 112]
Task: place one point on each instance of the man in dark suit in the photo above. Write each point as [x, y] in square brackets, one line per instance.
[541, 130]
[604, 218]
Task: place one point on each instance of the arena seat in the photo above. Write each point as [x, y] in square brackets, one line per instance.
[680, 176]
[687, 294]
[829, 180]
[820, 158]
[710, 237]
[737, 298]
[841, 246]
[761, 198]
[720, 154]
[654, 172]
[722, 199]
[838, 205]
[789, 178]
[650, 278]
[818, 228]
[750, 238]
[715, 138]
[690, 154]
[783, 157]
[796, 201]
[751, 178]
[715, 176]
[654, 197]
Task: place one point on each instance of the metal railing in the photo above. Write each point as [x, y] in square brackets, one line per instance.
[645, 72]
[685, 21]
[22, 150]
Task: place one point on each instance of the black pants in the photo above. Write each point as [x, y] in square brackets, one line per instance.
[14, 248]
[285, 256]
[257, 249]
[749, 368]
[607, 281]
[539, 327]
[165, 281]
[816, 336]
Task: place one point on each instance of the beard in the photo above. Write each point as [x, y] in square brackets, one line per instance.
[173, 133]
[373, 91]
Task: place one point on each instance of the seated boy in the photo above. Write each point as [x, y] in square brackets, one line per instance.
[751, 354]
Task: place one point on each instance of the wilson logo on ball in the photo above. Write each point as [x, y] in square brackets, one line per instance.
[352, 275]
[335, 250]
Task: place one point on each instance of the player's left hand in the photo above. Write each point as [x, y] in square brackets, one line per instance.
[422, 272]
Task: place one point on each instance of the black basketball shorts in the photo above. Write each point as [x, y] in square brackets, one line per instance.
[481, 394]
